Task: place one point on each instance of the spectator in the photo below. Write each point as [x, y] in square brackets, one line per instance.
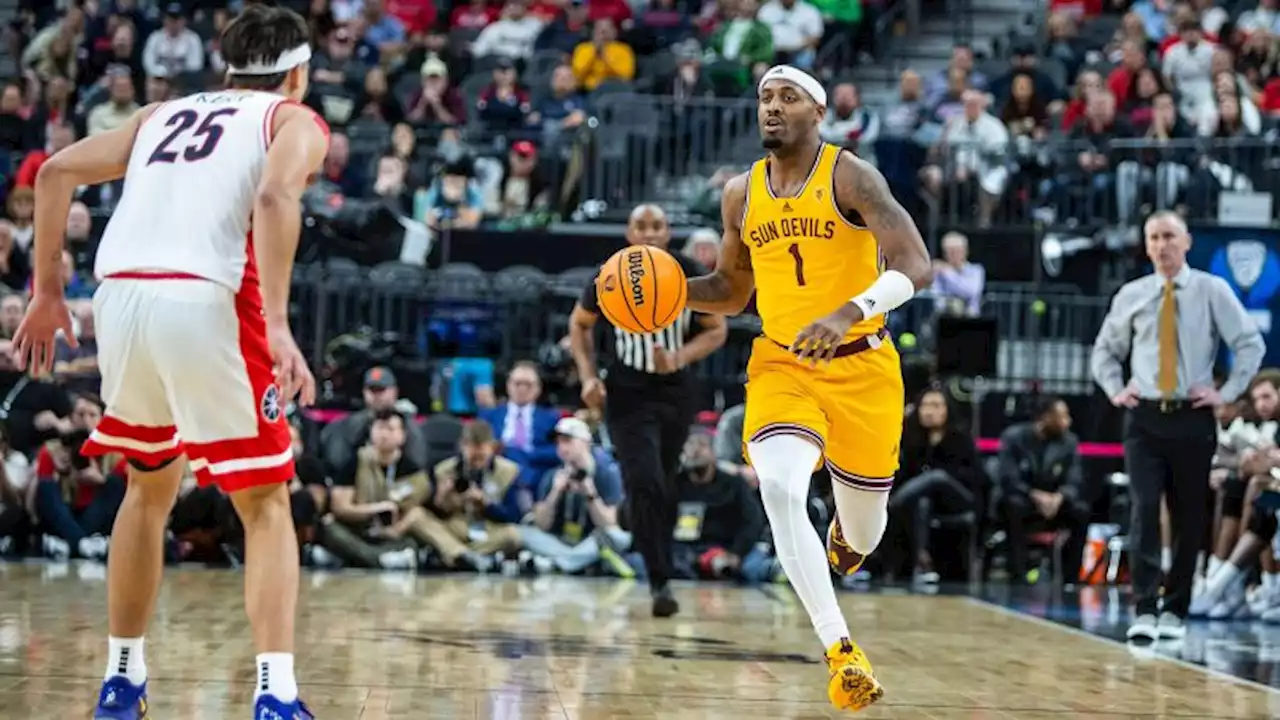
[452, 201]
[58, 59]
[1062, 42]
[382, 30]
[848, 124]
[377, 102]
[524, 427]
[53, 109]
[950, 103]
[737, 46]
[568, 31]
[473, 15]
[1263, 19]
[336, 75]
[435, 102]
[69, 30]
[61, 134]
[904, 117]
[340, 439]
[618, 11]
[338, 170]
[389, 184]
[119, 109]
[974, 151]
[83, 358]
[524, 187]
[575, 520]
[604, 59]
[79, 241]
[122, 50]
[1041, 486]
[1132, 29]
[1091, 167]
[564, 109]
[844, 19]
[1226, 85]
[13, 306]
[470, 385]
[1212, 18]
[38, 410]
[1087, 83]
[1123, 77]
[703, 247]
[720, 520]
[174, 49]
[1137, 111]
[474, 500]
[942, 83]
[16, 133]
[666, 24]
[1025, 62]
[958, 283]
[939, 475]
[15, 268]
[78, 497]
[1164, 161]
[1187, 67]
[504, 105]
[15, 479]
[377, 501]
[512, 36]
[797, 29]
[417, 17]
[1025, 113]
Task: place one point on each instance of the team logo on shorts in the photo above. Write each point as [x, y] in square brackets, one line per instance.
[271, 409]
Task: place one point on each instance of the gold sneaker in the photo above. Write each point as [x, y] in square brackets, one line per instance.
[842, 558]
[853, 685]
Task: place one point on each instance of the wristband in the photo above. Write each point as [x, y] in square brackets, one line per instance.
[890, 291]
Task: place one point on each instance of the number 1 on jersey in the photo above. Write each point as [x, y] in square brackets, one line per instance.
[209, 131]
[795, 253]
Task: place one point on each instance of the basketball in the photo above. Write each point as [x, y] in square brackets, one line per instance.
[641, 289]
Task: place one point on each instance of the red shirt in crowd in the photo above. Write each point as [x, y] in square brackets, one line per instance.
[47, 471]
[418, 16]
[616, 10]
[469, 17]
[1118, 83]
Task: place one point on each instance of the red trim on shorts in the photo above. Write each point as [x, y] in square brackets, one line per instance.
[272, 440]
[157, 275]
[142, 443]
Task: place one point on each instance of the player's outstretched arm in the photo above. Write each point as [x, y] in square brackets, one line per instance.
[96, 159]
[298, 147]
[861, 188]
[727, 290]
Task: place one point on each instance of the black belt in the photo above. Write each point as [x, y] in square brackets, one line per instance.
[1172, 405]
[853, 347]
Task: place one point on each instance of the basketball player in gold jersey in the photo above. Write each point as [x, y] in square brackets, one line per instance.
[817, 234]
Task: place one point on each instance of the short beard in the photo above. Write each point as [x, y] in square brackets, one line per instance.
[771, 143]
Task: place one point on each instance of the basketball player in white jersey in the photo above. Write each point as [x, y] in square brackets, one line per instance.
[194, 347]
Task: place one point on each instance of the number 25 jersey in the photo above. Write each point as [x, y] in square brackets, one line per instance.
[189, 189]
[808, 259]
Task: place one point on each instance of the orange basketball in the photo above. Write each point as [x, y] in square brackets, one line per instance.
[641, 289]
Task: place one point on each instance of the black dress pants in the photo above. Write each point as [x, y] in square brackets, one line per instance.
[648, 430]
[1168, 451]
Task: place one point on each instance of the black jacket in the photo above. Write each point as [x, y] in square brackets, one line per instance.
[1028, 462]
[955, 453]
[732, 516]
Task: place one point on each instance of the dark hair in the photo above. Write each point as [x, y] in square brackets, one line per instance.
[1043, 405]
[261, 34]
[388, 415]
[91, 398]
[476, 432]
[1267, 375]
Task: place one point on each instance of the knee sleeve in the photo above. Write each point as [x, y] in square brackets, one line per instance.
[784, 464]
[863, 516]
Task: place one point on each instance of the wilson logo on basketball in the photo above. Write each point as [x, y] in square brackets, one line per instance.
[635, 273]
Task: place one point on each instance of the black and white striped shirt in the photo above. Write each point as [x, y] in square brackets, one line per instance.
[628, 357]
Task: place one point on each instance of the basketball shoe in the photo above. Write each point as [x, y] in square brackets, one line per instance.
[853, 684]
[121, 700]
[842, 558]
[269, 708]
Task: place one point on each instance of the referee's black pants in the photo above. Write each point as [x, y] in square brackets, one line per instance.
[648, 430]
[1168, 451]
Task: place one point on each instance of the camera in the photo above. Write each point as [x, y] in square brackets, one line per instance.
[72, 442]
[467, 479]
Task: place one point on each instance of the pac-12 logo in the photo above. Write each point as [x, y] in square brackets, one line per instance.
[271, 409]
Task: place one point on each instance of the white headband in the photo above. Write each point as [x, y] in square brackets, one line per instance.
[288, 60]
[799, 78]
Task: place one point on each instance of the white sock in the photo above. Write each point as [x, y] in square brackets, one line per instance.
[1166, 559]
[863, 515]
[124, 658]
[1214, 564]
[784, 464]
[1221, 580]
[275, 677]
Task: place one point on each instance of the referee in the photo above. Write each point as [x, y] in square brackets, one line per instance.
[1169, 326]
[650, 406]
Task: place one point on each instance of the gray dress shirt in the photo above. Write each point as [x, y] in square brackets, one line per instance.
[1208, 313]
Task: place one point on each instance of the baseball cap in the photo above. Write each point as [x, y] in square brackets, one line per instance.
[504, 63]
[379, 377]
[434, 66]
[524, 148]
[574, 428]
[175, 9]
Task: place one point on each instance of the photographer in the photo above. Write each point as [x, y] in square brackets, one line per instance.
[720, 520]
[575, 521]
[77, 498]
[475, 499]
[377, 501]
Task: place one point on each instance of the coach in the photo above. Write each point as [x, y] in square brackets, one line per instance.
[1169, 326]
[650, 404]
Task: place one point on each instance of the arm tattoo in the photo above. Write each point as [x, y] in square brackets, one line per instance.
[744, 260]
[874, 200]
[709, 288]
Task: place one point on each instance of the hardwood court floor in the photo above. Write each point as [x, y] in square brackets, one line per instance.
[392, 647]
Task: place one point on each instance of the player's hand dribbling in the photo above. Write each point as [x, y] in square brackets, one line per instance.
[36, 338]
[593, 393]
[292, 373]
[665, 362]
[819, 340]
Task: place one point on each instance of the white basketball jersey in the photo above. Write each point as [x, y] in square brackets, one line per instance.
[189, 189]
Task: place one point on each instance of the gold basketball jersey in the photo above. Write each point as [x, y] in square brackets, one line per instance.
[807, 257]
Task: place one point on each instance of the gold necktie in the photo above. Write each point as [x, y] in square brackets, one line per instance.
[1168, 334]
